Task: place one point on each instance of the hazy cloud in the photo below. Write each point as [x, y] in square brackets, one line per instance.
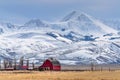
[47, 9]
[93, 4]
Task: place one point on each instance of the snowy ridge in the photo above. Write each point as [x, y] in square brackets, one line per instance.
[103, 26]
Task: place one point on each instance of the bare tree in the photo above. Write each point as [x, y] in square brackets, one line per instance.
[33, 65]
[21, 61]
[92, 67]
[15, 64]
[0, 64]
[5, 63]
[27, 63]
[10, 63]
[101, 68]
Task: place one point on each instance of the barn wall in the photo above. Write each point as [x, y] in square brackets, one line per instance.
[57, 68]
[47, 63]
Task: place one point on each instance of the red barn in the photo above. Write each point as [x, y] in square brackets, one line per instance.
[51, 64]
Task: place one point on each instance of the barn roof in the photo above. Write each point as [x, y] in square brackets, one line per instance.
[54, 61]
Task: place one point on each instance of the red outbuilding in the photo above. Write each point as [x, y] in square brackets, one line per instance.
[51, 64]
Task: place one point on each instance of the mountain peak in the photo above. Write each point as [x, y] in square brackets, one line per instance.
[70, 16]
[76, 15]
[86, 24]
[35, 22]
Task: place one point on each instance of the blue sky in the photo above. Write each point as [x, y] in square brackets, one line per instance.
[20, 11]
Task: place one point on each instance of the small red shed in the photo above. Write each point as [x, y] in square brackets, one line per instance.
[51, 64]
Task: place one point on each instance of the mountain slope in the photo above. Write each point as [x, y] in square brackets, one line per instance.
[87, 24]
[76, 39]
[113, 23]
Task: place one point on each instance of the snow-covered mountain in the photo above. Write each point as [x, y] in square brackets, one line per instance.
[7, 27]
[78, 38]
[87, 24]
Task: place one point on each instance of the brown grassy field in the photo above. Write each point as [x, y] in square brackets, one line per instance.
[68, 75]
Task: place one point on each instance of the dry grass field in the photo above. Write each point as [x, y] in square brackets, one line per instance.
[68, 75]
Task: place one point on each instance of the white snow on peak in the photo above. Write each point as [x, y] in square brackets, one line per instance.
[83, 23]
[75, 15]
[35, 23]
[106, 28]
